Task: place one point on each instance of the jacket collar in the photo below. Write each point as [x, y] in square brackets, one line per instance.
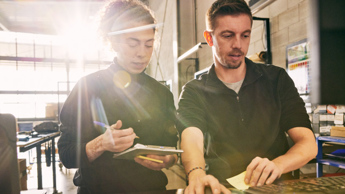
[114, 67]
[252, 74]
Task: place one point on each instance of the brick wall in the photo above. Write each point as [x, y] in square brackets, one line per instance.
[288, 24]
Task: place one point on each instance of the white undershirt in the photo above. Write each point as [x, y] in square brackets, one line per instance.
[234, 86]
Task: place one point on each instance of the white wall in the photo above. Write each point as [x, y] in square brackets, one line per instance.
[163, 64]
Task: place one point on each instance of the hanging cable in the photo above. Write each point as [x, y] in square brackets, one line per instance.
[187, 71]
[264, 36]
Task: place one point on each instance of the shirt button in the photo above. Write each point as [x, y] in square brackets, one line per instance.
[242, 119]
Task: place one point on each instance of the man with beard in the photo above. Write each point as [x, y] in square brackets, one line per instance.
[235, 117]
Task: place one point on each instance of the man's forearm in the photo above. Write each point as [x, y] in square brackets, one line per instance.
[193, 154]
[300, 153]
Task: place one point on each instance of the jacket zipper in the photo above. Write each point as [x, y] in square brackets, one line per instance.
[238, 101]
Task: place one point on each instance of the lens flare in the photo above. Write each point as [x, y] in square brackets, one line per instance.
[122, 79]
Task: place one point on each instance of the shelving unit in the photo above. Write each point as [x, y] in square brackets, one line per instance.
[320, 161]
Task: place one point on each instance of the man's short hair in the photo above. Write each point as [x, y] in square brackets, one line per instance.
[226, 7]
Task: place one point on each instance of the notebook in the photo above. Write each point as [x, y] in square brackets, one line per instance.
[140, 149]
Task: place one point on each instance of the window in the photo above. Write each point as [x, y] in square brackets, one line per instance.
[37, 78]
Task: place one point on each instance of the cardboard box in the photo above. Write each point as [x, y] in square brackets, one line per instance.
[338, 131]
[22, 174]
[52, 110]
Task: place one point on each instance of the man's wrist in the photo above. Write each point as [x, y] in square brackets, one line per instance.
[198, 170]
[279, 165]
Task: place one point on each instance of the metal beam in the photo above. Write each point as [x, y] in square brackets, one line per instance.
[32, 92]
[53, 60]
[191, 51]
[3, 22]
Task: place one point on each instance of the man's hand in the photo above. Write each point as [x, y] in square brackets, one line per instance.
[198, 180]
[262, 171]
[116, 140]
[168, 161]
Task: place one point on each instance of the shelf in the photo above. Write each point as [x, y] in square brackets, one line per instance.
[320, 161]
[331, 139]
[331, 162]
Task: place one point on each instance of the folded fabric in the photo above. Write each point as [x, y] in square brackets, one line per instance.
[339, 152]
[23, 138]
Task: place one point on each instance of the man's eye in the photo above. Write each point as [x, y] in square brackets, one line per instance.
[227, 35]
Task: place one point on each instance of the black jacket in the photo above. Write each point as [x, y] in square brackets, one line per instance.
[145, 105]
[241, 126]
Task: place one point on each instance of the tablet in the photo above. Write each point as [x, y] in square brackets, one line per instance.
[140, 149]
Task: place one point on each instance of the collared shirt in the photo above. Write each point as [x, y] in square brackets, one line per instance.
[239, 127]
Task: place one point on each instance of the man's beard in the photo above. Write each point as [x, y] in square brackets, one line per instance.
[235, 64]
[230, 65]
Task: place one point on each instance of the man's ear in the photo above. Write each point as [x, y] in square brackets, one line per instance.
[208, 37]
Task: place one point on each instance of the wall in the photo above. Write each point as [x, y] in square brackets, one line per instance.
[186, 39]
[163, 64]
[206, 52]
[182, 30]
[288, 24]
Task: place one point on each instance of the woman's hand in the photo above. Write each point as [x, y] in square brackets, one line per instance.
[167, 161]
[113, 140]
[116, 139]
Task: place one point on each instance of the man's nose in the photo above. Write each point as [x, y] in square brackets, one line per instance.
[236, 42]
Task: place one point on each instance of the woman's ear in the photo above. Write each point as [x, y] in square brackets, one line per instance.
[208, 37]
[114, 47]
[112, 43]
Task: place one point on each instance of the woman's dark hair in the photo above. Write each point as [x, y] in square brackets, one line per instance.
[226, 7]
[120, 14]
